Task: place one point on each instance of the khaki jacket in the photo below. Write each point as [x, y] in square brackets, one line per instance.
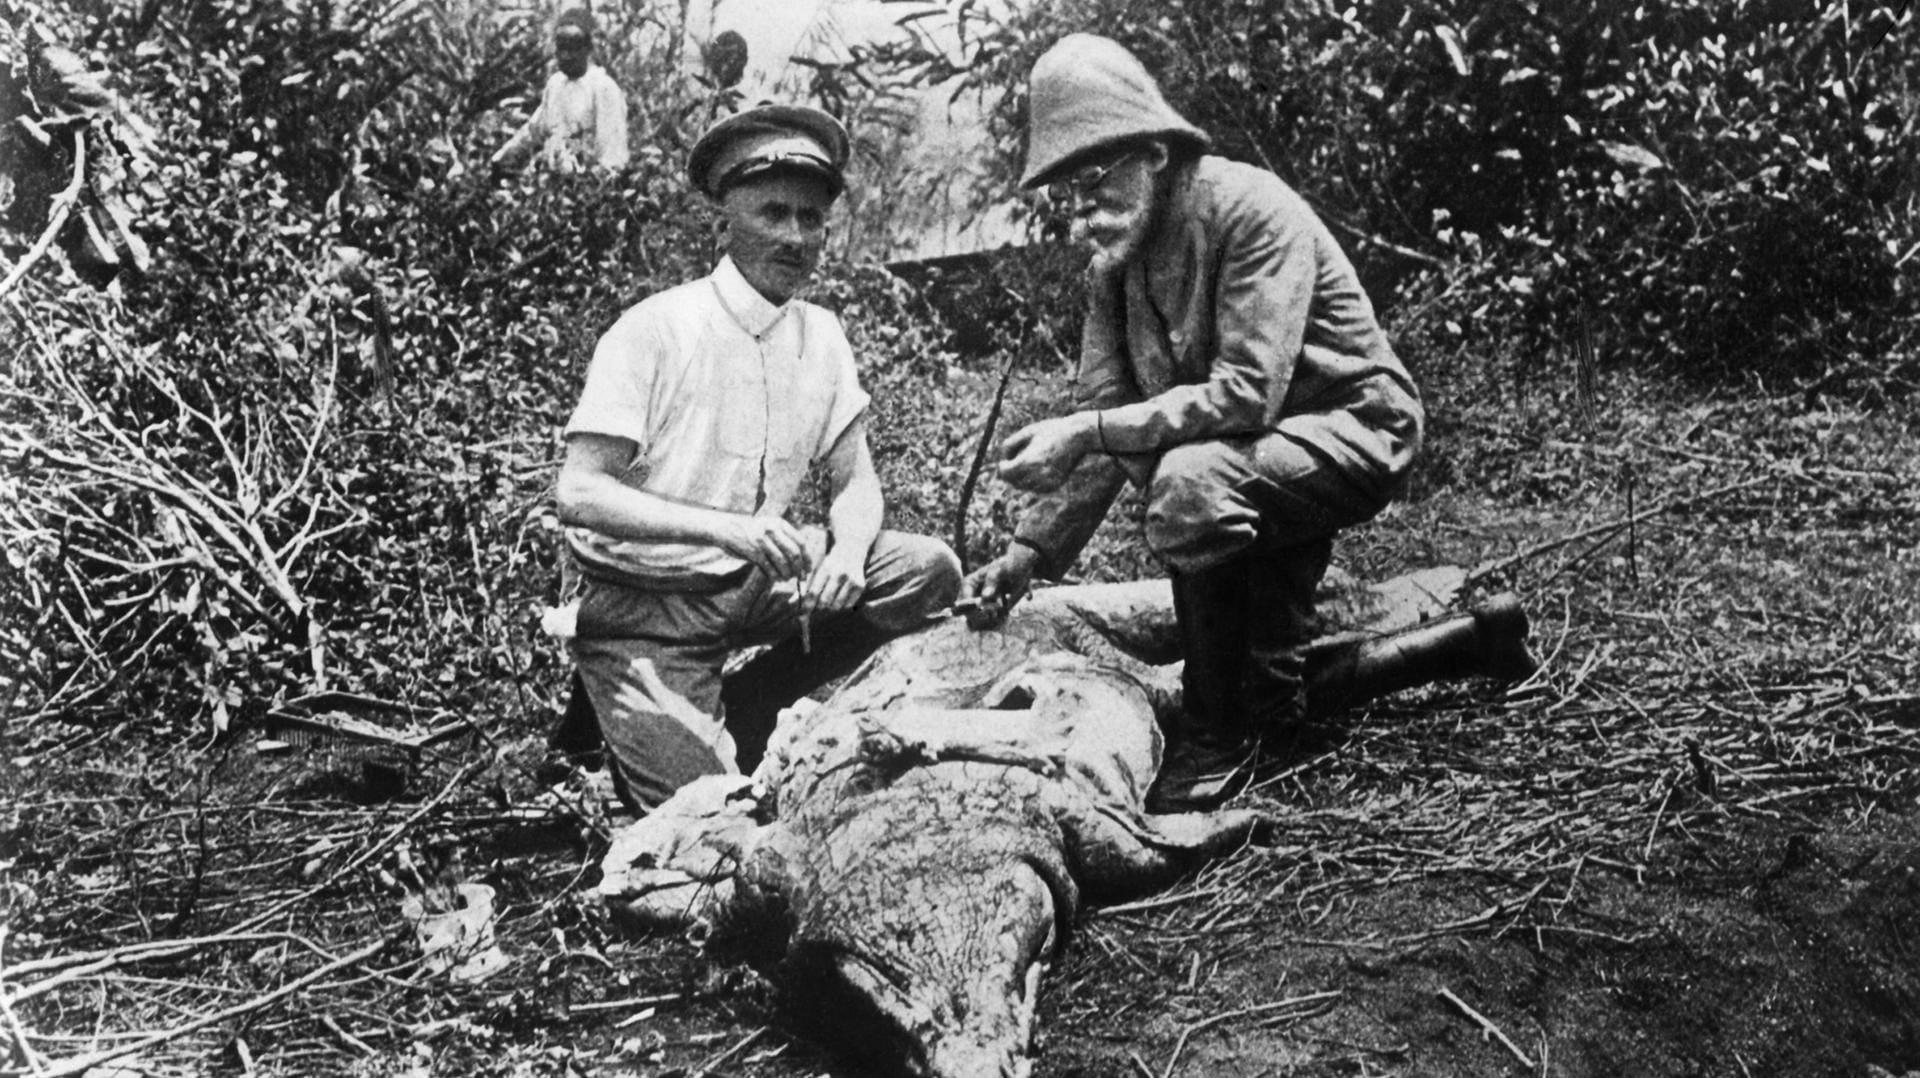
[1241, 317]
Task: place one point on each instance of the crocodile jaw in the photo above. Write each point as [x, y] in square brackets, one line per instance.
[936, 983]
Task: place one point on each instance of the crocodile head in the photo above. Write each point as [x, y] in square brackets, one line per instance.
[918, 941]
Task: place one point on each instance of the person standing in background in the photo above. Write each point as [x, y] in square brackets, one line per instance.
[582, 119]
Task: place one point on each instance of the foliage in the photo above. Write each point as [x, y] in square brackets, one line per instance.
[78, 170]
[1521, 175]
[311, 447]
[337, 303]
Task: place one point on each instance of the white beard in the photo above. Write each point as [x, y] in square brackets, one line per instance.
[1113, 238]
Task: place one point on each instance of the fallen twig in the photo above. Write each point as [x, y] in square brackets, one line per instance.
[1264, 1008]
[98, 961]
[372, 853]
[346, 1038]
[82, 1064]
[738, 1047]
[1653, 832]
[626, 1004]
[1488, 1029]
[1158, 902]
[17, 1030]
[1482, 919]
[1500, 565]
[57, 216]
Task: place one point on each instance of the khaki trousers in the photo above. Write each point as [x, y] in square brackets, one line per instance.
[651, 660]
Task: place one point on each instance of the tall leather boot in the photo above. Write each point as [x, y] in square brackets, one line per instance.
[1490, 641]
[1211, 747]
[752, 696]
[1281, 587]
[577, 733]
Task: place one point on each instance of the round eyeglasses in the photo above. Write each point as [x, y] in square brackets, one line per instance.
[1084, 181]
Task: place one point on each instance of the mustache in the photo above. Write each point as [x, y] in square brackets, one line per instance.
[1102, 229]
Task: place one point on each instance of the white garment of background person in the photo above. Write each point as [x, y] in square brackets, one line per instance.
[580, 123]
[582, 118]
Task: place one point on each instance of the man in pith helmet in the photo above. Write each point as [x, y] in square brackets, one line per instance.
[704, 408]
[1232, 366]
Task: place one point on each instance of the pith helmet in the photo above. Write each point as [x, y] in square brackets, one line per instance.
[1087, 92]
[769, 138]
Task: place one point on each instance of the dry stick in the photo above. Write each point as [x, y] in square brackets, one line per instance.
[1208, 1023]
[203, 502]
[82, 1064]
[1513, 907]
[346, 1038]
[102, 961]
[1145, 904]
[62, 205]
[36, 1061]
[280, 578]
[270, 575]
[626, 1004]
[18, 1030]
[1583, 557]
[310, 453]
[1646, 854]
[393, 837]
[739, 1046]
[164, 949]
[1485, 569]
[1488, 1029]
[980, 451]
[1633, 532]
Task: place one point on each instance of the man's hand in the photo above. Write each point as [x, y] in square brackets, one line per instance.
[999, 584]
[1039, 457]
[777, 547]
[838, 581]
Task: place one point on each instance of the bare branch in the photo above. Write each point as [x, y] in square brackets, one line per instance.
[63, 204]
[81, 1064]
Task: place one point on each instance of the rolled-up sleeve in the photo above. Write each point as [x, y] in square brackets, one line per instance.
[1262, 302]
[622, 377]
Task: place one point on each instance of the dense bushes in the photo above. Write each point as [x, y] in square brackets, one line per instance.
[311, 447]
[1719, 186]
[312, 443]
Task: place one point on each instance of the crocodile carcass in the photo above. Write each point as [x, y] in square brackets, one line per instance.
[910, 856]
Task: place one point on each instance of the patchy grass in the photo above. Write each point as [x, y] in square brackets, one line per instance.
[1682, 842]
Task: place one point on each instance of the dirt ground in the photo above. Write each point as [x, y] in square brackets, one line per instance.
[1775, 951]
[1774, 948]
[1688, 847]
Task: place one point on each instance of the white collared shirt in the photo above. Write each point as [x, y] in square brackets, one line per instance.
[729, 399]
